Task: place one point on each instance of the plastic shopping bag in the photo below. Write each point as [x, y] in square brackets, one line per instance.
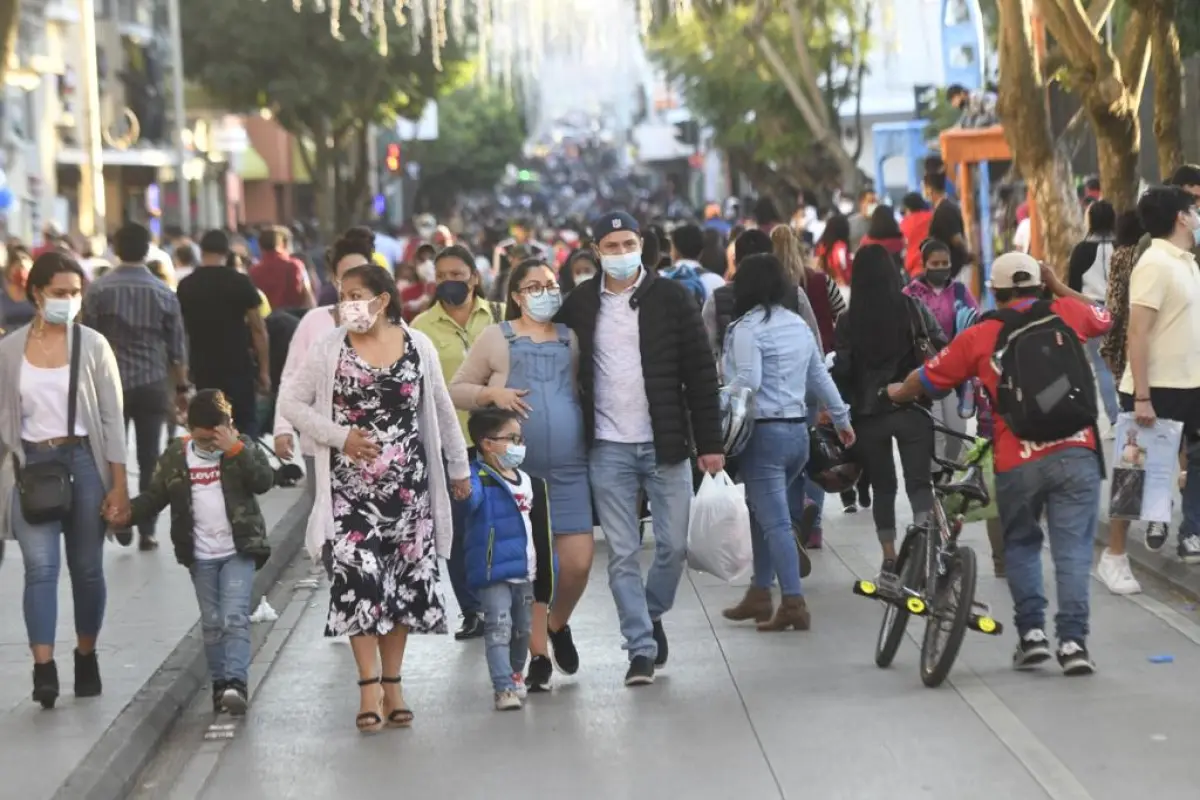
[719, 529]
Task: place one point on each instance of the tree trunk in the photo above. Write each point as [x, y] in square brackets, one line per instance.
[325, 188]
[1168, 86]
[1022, 107]
[1118, 142]
[10, 13]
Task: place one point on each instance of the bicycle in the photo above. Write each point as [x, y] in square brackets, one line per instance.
[935, 576]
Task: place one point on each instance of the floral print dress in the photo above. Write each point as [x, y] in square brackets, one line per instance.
[384, 558]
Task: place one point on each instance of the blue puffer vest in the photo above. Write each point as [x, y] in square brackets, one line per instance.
[494, 539]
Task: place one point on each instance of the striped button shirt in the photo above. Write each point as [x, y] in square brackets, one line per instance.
[140, 317]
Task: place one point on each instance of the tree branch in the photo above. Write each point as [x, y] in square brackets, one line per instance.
[1098, 13]
[808, 74]
[1134, 58]
[1067, 22]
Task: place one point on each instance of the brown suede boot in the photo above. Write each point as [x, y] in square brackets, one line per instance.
[792, 613]
[996, 539]
[756, 605]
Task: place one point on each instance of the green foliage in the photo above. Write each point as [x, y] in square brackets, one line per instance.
[251, 54]
[729, 86]
[481, 130]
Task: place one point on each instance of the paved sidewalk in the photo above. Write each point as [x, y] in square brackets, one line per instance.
[736, 714]
[151, 607]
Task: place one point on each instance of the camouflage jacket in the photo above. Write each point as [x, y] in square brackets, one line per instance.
[244, 474]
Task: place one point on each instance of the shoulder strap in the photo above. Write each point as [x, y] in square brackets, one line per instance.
[73, 377]
[509, 334]
[1013, 320]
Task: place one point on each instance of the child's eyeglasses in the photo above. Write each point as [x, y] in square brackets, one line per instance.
[515, 438]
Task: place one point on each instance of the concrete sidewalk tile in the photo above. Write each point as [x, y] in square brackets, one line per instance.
[150, 665]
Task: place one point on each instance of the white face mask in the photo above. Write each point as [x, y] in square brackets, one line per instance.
[356, 315]
[426, 271]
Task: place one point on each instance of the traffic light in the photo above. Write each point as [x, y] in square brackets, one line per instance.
[393, 157]
[688, 132]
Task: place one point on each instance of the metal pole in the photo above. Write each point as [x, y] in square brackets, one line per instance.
[92, 209]
[185, 204]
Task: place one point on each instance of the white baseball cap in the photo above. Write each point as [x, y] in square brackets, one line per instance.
[1015, 271]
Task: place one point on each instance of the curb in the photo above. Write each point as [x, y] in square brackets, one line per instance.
[1181, 578]
[111, 768]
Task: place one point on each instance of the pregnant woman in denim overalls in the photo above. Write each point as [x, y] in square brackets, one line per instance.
[528, 364]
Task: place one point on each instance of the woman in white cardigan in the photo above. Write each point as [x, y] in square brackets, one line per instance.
[372, 399]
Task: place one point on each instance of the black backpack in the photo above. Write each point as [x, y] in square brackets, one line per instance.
[1047, 390]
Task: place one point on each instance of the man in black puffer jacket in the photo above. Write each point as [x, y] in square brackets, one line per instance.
[648, 386]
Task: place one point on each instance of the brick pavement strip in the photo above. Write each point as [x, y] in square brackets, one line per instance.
[151, 659]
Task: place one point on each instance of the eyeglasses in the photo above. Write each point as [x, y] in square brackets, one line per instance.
[514, 438]
[537, 290]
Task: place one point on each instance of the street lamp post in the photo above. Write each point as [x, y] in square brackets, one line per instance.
[185, 200]
[92, 209]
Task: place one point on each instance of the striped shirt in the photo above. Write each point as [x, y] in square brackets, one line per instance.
[140, 317]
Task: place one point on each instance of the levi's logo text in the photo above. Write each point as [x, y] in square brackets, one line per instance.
[205, 476]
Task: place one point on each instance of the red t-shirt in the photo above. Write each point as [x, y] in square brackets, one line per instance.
[282, 279]
[970, 356]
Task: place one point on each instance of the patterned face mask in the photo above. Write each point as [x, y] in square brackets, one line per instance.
[357, 315]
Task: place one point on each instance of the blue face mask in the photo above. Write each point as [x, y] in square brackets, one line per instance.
[61, 310]
[621, 267]
[512, 457]
[543, 307]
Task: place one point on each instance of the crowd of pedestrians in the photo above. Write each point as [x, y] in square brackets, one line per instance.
[491, 412]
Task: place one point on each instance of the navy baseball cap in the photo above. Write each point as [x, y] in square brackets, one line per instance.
[611, 223]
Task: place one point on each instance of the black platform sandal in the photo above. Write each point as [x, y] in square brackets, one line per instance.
[401, 717]
[370, 721]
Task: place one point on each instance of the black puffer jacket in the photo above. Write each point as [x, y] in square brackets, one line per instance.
[677, 366]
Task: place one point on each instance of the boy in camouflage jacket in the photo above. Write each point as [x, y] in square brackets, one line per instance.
[210, 480]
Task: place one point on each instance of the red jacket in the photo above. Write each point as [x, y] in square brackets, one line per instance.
[915, 227]
[283, 279]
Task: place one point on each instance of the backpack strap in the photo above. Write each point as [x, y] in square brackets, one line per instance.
[1011, 320]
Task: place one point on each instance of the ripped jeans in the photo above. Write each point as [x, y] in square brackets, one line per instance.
[223, 590]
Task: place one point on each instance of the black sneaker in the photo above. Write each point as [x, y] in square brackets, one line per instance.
[864, 495]
[1074, 659]
[540, 670]
[563, 652]
[147, 543]
[1156, 536]
[235, 698]
[641, 672]
[660, 638]
[1032, 649]
[1189, 549]
[472, 627]
[218, 696]
[87, 675]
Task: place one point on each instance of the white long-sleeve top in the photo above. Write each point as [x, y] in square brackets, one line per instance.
[314, 325]
[307, 402]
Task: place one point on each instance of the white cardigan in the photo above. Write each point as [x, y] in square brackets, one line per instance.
[307, 402]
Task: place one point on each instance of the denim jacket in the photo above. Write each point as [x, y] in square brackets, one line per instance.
[778, 358]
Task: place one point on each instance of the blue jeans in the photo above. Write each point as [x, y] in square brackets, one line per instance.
[1104, 377]
[1065, 487]
[83, 534]
[223, 589]
[772, 463]
[507, 622]
[618, 471]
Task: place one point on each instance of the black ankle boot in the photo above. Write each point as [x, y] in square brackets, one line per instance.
[45, 684]
[87, 675]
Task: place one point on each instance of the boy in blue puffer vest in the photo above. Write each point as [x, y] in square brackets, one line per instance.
[508, 550]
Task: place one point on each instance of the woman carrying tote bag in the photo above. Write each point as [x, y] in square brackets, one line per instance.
[62, 466]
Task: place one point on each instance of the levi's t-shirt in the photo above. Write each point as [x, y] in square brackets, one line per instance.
[213, 535]
[970, 356]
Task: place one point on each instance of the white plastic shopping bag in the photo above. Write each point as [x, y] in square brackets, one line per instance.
[719, 529]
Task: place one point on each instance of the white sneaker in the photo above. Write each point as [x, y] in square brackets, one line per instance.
[1114, 572]
[507, 701]
[519, 683]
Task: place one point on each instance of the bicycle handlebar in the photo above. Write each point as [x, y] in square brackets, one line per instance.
[937, 426]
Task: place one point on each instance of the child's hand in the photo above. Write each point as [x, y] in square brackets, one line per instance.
[226, 437]
[461, 489]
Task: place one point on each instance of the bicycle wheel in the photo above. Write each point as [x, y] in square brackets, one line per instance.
[950, 611]
[895, 619]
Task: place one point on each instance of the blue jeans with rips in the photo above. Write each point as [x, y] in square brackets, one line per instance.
[1065, 487]
[507, 623]
[223, 590]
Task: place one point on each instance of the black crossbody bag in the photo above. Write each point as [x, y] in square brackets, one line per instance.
[45, 488]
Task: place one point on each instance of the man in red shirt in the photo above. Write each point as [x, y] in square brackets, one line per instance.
[1058, 480]
[280, 276]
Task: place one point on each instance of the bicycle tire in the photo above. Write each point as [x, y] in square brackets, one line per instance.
[895, 619]
[936, 662]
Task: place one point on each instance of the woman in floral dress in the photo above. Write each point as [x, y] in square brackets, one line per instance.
[372, 395]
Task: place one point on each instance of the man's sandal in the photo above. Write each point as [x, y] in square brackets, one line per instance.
[370, 721]
[400, 717]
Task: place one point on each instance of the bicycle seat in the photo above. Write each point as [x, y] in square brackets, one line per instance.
[971, 487]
